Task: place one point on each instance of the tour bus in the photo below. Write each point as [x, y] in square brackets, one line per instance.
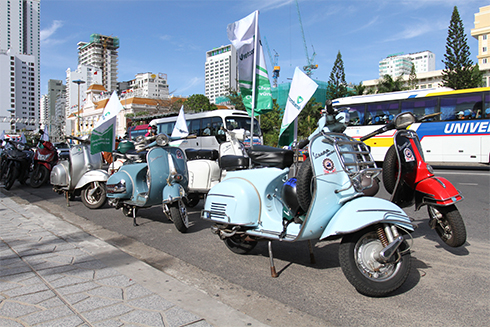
[209, 128]
[135, 131]
[461, 133]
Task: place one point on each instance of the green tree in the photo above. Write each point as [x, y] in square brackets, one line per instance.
[459, 72]
[308, 118]
[337, 86]
[358, 89]
[388, 84]
[270, 124]
[412, 79]
[198, 103]
[236, 99]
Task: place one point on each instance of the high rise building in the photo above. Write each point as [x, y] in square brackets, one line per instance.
[89, 75]
[19, 64]
[56, 90]
[401, 64]
[220, 72]
[149, 85]
[101, 53]
[481, 32]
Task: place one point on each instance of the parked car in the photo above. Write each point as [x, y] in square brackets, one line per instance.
[63, 150]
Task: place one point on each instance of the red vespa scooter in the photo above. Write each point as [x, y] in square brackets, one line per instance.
[45, 158]
[409, 179]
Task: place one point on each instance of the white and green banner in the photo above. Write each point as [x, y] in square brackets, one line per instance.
[302, 88]
[104, 133]
[245, 37]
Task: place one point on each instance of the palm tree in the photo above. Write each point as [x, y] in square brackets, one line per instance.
[388, 84]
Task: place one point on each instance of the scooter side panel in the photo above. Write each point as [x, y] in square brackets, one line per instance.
[60, 174]
[126, 173]
[202, 175]
[365, 211]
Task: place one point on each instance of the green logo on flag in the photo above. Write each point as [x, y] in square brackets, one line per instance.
[300, 99]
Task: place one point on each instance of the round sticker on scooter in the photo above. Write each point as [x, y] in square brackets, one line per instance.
[179, 154]
[408, 155]
[328, 166]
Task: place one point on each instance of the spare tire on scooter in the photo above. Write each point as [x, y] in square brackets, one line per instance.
[390, 170]
[303, 185]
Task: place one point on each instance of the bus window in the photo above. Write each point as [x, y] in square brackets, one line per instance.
[485, 113]
[242, 122]
[420, 107]
[460, 107]
[206, 126]
[194, 126]
[356, 114]
[381, 113]
[166, 128]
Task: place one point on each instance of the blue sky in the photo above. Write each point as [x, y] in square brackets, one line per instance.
[172, 36]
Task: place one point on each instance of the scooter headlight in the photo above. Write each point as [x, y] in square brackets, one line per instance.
[21, 147]
[430, 169]
[162, 140]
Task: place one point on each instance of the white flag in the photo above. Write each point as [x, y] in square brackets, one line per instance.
[45, 136]
[302, 88]
[22, 138]
[104, 133]
[180, 128]
[2, 136]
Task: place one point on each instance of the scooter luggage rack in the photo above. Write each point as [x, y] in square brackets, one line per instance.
[355, 158]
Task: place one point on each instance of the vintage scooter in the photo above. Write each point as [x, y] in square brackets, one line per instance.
[409, 179]
[161, 179]
[45, 158]
[81, 175]
[325, 202]
[208, 167]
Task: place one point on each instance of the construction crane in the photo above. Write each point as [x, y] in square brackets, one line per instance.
[308, 68]
[276, 68]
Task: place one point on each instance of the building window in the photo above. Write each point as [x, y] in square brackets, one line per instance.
[484, 37]
[484, 49]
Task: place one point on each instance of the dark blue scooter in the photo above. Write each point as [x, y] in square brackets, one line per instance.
[161, 179]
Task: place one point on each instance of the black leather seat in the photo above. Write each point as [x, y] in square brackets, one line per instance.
[269, 156]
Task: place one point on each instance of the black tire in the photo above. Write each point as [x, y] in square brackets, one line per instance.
[390, 170]
[128, 212]
[178, 214]
[94, 195]
[303, 184]
[192, 200]
[39, 176]
[449, 225]
[367, 275]
[238, 245]
[12, 174]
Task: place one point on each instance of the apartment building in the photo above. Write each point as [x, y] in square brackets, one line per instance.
[220, 72]
[401, 64]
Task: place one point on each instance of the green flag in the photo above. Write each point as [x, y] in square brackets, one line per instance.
[104, 133]
[244, 35]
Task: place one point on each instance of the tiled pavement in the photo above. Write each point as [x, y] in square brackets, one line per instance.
[53, 274]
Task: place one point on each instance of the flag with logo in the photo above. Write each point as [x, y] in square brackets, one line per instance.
[104, 133]
[45, 135]
[245, 37]
[180, 128]
[302, 88]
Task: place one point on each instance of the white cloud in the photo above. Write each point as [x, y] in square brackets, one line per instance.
[193, 81]
[415, 30]
[45, 34]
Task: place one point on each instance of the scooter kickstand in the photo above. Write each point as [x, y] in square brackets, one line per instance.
[271, 258]
[134, 217]
[67, 196]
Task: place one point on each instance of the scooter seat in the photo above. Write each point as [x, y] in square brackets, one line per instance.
[269, 156]
[194, 154]
[232, 162]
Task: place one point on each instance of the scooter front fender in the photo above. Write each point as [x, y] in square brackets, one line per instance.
[172, 193]
[97, 175]
[436, 191]
[365, 211]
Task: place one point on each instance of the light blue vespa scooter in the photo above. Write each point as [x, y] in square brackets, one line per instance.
[162, 179]
[326, 200]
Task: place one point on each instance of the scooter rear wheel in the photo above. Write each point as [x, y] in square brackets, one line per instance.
[39, 176]
[449, 225]
[239, 245]
[357, 259]
[94, 195]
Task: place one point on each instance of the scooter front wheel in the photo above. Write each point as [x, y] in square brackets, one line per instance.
[178, 214]
[12, 173]
[94, 195]
[448, 223]
[357, 253]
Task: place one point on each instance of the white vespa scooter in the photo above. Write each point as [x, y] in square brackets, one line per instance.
[81, 175]
[208, 167]
[262, 204]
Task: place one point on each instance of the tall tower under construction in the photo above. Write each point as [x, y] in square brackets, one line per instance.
[101, 53]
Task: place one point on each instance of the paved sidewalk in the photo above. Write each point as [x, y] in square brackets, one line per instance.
[54, 274]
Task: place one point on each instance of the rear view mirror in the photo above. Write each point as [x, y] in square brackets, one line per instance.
[404, 120]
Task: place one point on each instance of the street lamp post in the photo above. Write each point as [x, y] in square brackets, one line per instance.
[78, 82]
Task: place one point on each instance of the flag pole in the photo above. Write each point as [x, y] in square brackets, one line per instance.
[254, 77]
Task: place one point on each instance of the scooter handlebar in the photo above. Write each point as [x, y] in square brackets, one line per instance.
[383, 129]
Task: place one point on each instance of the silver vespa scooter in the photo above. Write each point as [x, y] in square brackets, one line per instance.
[81, 175]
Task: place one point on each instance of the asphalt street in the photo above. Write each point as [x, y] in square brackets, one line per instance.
[446, 286]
